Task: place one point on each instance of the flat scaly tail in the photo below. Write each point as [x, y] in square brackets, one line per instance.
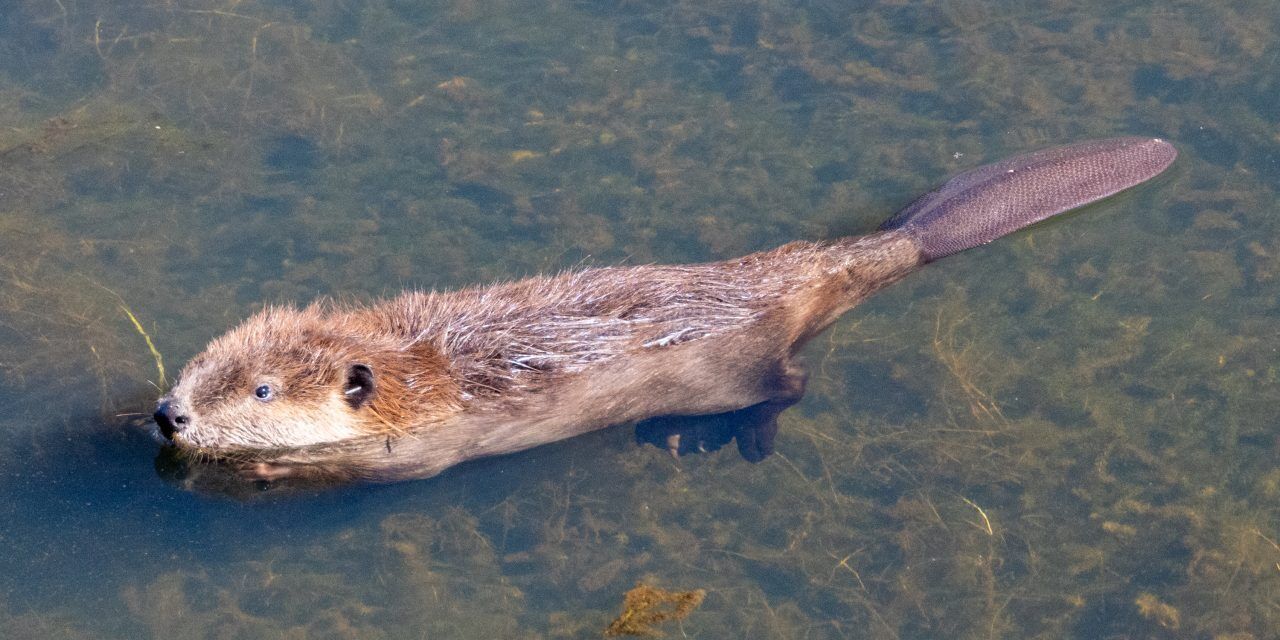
[983, 204]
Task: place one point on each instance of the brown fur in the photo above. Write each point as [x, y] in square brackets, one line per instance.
[488, 370]
[409, 386]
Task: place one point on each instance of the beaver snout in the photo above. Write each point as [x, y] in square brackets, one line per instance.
[169, 419]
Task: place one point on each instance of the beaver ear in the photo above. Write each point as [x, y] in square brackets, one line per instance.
[358, 390]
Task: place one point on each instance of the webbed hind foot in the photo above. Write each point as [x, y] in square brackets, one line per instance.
[754, 429]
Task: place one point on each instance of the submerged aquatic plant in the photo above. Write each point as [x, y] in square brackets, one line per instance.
[1070, 435]
[646, 606]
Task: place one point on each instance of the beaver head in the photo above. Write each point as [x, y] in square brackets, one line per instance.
[289, 378]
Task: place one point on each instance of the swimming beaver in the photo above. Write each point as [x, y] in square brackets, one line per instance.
[409, 386]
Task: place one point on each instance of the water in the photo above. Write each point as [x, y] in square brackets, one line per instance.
[1068, 433]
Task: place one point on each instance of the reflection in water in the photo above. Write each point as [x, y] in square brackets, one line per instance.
[228, 478]
[252, 477]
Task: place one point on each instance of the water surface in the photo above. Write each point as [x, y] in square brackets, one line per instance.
[1068, 433]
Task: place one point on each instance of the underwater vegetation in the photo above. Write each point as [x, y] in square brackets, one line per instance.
[645, 606]
[1071, 433]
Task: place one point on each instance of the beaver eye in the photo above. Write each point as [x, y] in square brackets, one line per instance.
[264, 392]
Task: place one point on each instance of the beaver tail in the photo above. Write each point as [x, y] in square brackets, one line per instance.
[983, 204]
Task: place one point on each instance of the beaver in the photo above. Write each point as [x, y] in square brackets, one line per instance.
[409, 386]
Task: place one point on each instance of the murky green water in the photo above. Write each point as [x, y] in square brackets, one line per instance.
[1070, 433]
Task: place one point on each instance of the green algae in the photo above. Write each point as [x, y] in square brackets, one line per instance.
[1070, 433]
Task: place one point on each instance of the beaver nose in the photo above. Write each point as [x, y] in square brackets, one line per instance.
[169, 420]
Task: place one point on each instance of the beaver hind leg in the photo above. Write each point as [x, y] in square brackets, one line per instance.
[753, 427]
